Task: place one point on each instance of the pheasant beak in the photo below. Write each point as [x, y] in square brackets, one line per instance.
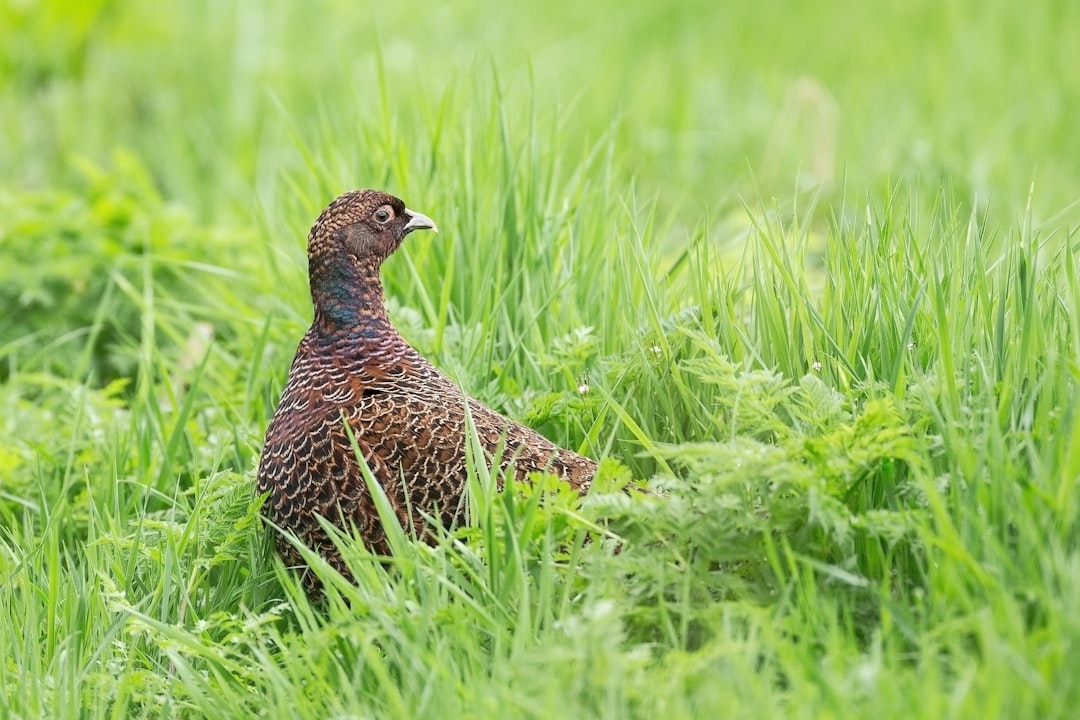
[418, 221]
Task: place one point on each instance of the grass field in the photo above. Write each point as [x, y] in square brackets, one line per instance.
[808, 269]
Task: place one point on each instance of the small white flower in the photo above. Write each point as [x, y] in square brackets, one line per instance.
[816, 366]
[583, 388]
[656, 349]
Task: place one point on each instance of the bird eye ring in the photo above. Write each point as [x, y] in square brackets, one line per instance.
[383, 215]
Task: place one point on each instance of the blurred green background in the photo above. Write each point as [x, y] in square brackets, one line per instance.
[708, 101]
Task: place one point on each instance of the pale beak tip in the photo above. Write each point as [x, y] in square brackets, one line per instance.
[419, 221]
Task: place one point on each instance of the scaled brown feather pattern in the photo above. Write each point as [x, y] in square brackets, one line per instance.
[407, 417]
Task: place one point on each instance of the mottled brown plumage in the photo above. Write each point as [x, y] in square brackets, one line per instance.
[408, 418]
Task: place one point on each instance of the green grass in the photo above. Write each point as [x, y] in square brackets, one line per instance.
[810, 272]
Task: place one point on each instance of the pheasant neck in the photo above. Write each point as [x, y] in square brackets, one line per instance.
[348, 299]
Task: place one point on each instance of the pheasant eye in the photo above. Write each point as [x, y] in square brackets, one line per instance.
[383, 215]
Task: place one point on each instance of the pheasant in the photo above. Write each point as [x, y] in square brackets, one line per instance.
[408, 418]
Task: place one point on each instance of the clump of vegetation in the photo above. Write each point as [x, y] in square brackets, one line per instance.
[85, 266]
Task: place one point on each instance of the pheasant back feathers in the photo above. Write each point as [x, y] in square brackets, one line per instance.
[408, 419]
